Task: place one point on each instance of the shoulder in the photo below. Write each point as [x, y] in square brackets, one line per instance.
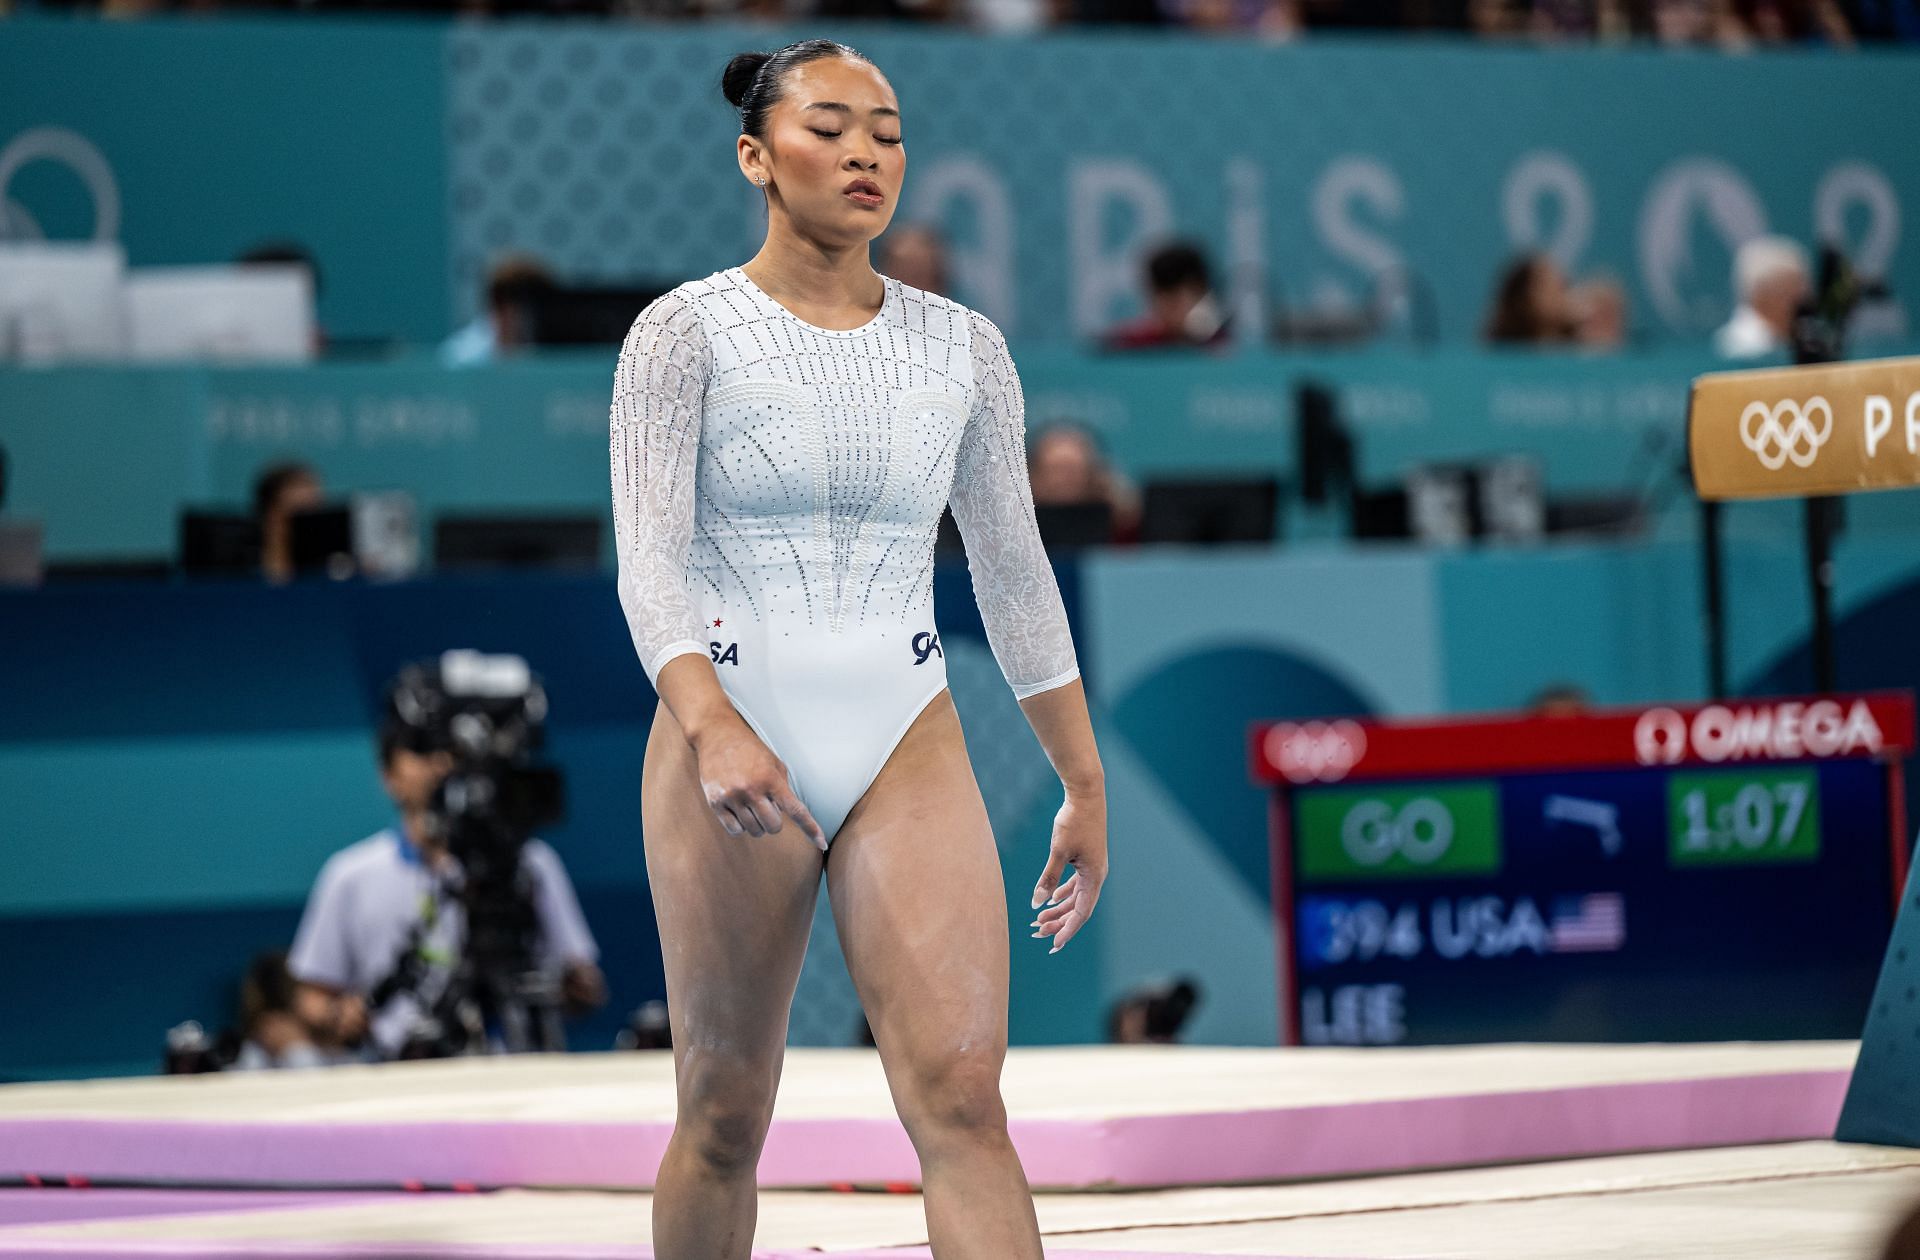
[679, 313]
[360, 860]
[940, 309]
[540, 855]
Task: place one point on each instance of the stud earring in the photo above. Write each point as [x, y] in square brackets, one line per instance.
[760, 180]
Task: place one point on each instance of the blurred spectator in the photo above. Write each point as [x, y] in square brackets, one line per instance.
[1696, 22]
[1531, 304]
[1772, 276]
[1108, 12]
[1600, 313]
[914, 254]
[1067, 467]
[1153, 1014]
[506, 325]
[371, 896]
[1272, 20]
[279, 492]
[1795, 22]
[283, 253]
[274, 1035]
[1181, 307]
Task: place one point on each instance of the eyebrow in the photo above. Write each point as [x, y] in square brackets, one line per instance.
[848, 109]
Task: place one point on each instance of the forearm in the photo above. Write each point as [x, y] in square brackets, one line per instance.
[1060, 721]
[691, 690]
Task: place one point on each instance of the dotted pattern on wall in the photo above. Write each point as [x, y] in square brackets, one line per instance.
[1053, 162]
[609, 152]
[1883, 1099]
[1014, 776]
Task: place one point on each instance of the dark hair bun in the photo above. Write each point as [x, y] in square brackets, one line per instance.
[738, 77]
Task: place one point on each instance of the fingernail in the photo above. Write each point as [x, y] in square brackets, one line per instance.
[1054, 950]
[1038, 897]
[1036, 936]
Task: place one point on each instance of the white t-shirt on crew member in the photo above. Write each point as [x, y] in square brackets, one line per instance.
[370, 894]
[1746, 336]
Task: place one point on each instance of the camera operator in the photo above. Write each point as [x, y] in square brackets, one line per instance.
[397, 893]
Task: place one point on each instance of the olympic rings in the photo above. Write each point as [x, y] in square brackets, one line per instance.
[1774, 442]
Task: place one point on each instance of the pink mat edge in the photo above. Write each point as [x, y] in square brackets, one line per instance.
[137, 1249]
[1164, 1150]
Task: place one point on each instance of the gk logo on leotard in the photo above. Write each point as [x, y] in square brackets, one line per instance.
[731, 656]
[925, 645]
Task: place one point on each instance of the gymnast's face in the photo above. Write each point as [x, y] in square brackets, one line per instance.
[837, 122]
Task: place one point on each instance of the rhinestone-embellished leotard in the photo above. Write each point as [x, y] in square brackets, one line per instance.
[776, 491]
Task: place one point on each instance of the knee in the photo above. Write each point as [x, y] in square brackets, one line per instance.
[957, 1093]
[725, 1108]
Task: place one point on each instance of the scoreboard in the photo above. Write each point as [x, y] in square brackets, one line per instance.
[1711, 873]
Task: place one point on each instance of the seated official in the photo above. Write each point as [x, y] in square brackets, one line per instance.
[396, 893]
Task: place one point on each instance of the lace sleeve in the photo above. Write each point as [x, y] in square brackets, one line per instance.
[659, 392]
[992, 503]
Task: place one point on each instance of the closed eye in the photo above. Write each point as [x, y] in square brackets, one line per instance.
[834, 135]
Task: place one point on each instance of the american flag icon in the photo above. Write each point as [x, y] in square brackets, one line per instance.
[1593, 924]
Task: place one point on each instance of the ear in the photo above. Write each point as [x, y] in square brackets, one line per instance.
[753, 161]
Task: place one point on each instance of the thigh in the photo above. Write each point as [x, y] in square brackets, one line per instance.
[920, 905]
[734, 912]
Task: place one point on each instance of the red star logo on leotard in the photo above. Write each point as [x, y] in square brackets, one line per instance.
[716, 621]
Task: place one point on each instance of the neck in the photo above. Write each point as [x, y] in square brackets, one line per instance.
[790, 266]
[415, 824]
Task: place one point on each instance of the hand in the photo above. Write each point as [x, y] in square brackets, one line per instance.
[583, 987]
[746, 786]
[350, 1018]
[1079, 837]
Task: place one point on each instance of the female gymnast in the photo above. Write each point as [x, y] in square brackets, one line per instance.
[785, 435]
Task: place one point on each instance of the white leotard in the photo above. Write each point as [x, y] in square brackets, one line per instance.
[776, 491]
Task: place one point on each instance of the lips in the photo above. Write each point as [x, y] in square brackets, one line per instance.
[864, 188]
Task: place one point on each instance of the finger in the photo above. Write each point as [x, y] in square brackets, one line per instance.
[1067, 933]
[765, 812]
[1056, 862]
[1065, 899]
[797, 810]
[1065, 892]
[737, 802]
[1053, 914]
[728, 822]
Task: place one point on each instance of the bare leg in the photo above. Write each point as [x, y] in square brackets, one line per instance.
[734, 913]
[922, 915]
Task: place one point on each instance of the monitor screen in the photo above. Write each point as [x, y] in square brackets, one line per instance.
[538, 542]
[61, 300]
[253, 312]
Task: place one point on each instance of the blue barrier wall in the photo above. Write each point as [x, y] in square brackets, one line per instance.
[1309, 170]
[176, 761]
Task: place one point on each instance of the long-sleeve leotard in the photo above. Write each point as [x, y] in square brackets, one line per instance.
[794, 476]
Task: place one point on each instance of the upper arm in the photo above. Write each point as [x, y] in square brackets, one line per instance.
[321, 953]
[992, 465]
[659, 395]
[992, 503]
